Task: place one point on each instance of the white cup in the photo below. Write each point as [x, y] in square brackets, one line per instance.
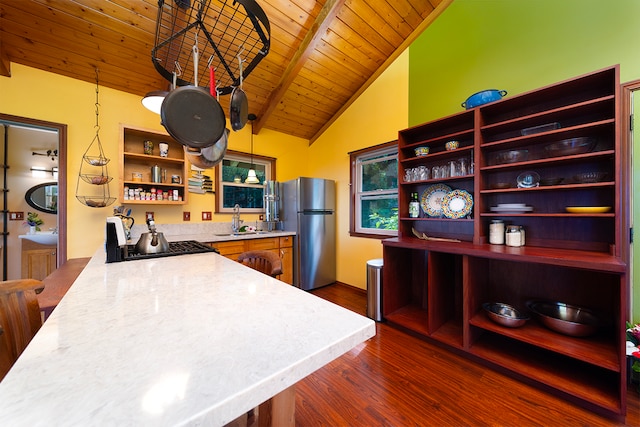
[164, 149]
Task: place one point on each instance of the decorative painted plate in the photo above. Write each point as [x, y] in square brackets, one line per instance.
[457, 204]
[431, 201]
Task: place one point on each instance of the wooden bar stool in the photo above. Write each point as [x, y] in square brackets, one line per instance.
[264, 261]
[20, 319]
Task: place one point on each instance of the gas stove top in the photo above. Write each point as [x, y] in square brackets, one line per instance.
[184, 247]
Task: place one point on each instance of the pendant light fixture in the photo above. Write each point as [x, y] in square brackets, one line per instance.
[251, 176]
[152, 101]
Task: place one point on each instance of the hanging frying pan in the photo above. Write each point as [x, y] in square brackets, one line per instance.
[238, 106]
[208, 157]
[191, 115]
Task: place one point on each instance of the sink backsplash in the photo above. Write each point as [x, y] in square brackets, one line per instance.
[191, 229]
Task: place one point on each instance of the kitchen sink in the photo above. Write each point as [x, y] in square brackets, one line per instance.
[41, 237]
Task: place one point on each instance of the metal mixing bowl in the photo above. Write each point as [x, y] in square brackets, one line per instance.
[504, 314]
[564, 318]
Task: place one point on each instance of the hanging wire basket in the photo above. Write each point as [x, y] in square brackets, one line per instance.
[96, 194]
[96, 202]
[227, 28]
[96, 160]
[93, 170]
[96, 179]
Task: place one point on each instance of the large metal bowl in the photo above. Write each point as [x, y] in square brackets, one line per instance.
[564, 318]
[504, 314]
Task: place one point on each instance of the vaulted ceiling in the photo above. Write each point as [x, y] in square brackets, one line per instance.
[323, 54]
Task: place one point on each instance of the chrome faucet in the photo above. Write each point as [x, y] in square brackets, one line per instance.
[54, 230]
[235, 220]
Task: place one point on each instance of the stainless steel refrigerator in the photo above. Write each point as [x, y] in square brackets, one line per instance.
[308, 208]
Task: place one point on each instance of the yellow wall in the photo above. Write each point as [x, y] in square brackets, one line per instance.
[46, 96]
[374, 118]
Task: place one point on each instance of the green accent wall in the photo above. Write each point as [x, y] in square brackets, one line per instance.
[517, 46]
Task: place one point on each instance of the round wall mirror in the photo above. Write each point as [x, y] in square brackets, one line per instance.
[43, 197]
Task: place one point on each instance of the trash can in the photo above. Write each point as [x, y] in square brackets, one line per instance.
[374, 289]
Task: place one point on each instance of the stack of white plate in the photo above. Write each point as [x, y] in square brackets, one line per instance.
[511, 207]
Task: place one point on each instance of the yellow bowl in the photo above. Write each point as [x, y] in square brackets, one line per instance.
[588, 209]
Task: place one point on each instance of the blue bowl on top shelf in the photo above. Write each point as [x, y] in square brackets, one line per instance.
[483, 97]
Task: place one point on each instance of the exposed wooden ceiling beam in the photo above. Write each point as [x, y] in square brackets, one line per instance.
[407, 42]
[5, 64]
[309, 43]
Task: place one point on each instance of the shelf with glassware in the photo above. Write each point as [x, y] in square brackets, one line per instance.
[550, 161]
[153, 168]
[436, 160]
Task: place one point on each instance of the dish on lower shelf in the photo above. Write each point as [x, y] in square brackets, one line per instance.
[571, 146]
[564, 318]
[504, 314]
[431, 201]
[510, 156]
[528, 180]
[511, 209]
[590, 177]
[588, 209]
[551, 181]
[457, 204]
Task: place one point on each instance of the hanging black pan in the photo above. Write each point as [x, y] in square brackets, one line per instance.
[191, 115]
[238, 106]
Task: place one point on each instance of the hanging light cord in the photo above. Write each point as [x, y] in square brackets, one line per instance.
[97, 126]
[252, 144]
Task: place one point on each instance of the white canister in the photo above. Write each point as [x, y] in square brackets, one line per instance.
[496, 232]
[513, 235]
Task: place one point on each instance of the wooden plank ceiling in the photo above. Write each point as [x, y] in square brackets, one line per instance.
[323, 54]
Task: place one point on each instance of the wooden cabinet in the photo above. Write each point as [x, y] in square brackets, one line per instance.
[134, 161]
[286, 254]
[437, 288]
[38, 261]
[282, 246]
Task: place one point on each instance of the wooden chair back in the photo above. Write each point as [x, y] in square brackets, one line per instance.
[264, 261]
[20, 319]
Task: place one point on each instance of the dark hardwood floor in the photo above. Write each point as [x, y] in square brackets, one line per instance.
[395, 379]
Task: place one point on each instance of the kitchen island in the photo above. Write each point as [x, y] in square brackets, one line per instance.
[184, 340]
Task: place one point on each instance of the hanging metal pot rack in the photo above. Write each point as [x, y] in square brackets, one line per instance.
[93, 174]
[228, 27]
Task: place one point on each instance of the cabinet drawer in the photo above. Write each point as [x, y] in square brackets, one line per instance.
[286, 241]
[230, 248]
[260, 244]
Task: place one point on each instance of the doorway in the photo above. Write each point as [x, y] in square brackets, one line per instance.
[630, 155]
[11, 227]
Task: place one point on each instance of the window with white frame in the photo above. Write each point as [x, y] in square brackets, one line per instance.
[374, 191]
[231, 188]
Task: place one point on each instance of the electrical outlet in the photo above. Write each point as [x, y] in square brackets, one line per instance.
[16, 216]
[186, 216]
[149, 215]
[261, 217]
[206, 216]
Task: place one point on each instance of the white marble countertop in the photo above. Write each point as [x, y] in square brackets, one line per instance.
[185, 340]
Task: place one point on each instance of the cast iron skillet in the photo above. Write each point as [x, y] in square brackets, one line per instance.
[191, 115]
